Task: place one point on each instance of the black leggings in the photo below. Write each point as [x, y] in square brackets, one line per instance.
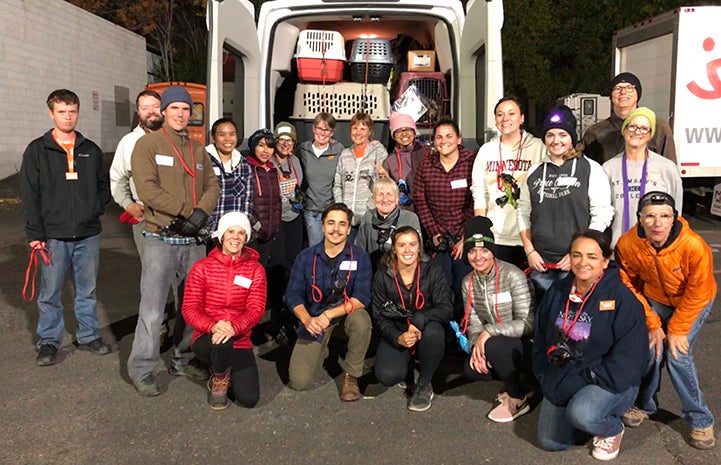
[243, 370]
[509, 357]
[393, 362]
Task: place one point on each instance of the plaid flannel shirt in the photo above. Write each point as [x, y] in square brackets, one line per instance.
[236, 193]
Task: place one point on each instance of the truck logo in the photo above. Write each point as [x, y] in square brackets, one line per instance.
[712, 70]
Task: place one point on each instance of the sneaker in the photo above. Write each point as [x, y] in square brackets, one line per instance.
[47, 355]
[421, 398]
[501, 397]
[96, 346]
[606, 448]
[147, 387]
[350, 391]
[633, 417]
[218, 390]
[191, 371]
[509, 409]
[702, 438]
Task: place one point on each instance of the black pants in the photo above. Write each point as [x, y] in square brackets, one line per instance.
[513, 254]
[509, 357]
[286, 247]
[393, 362]
[243, 369]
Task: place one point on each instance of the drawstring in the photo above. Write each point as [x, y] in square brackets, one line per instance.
[33, 266]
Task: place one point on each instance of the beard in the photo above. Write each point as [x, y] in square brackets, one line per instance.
[152, 125]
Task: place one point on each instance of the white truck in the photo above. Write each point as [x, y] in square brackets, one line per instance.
[677, 57]
[588, 109]
[252, 74]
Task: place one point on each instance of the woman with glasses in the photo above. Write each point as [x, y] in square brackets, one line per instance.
[638, 170]
[411, 307]
[407, 154]
[499, 168]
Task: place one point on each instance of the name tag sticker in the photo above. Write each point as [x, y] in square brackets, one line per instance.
[242, 281]
[459, 183]
[71, 176]
[198, 166]
[163, 160]
[566, 181]
[503, 297]
[653, 176]
[346, 265]
[216, 170]
[607, 305]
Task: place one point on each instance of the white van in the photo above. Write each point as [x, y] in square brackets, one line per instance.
[253, 77]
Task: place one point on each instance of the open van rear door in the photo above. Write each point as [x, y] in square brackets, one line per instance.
[481, 69]
[233, 64]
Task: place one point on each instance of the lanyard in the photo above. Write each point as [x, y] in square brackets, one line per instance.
[470, 298]
[642, 189]
[420, 300]
[317, 294]
[182, 162]
[568, 326]
[69, 148]
[499, 183]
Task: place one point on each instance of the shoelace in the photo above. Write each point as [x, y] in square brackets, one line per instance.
[604, 443]
[33, 266]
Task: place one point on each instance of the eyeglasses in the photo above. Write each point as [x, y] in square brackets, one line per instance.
[284, 140]
[641, 129]
[404, 131]
[322, 130]
[624, 89]
[651, 218]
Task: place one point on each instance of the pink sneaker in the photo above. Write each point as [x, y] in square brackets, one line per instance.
[606, 448]
[509, 409]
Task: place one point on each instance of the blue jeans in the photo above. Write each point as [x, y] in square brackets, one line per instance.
[592, 409]
[682, 372]
[544, 281]
[162, 265]
[313, 226]
[82, 257]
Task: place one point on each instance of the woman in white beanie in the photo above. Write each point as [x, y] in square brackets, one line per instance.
[225, 295]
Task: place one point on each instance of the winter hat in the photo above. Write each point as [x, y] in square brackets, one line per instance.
[628, 78]
[641, 111]
[478, 234]
[561, 118]
[656, 198]
[175, 94]
[285, 129]
[256, 137]
[400, 121]
[233, 219]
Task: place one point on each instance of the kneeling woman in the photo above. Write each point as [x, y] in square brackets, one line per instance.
[589, 352]
[499, 321]
[225, 298]
[411, 306]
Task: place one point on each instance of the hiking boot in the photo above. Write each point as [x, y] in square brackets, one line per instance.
[606, 448]
[190, 370]
[147, 387]
[633, 417]
[96, 346]
[702, 438]
[509, 409]
[47, 355]
[421, 398]
[218, 390]
[350, 391]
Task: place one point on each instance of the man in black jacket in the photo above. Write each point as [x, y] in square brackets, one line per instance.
[64, 190]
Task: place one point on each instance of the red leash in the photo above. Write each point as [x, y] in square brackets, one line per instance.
[33, 266]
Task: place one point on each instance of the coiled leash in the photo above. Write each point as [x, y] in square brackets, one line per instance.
[33, 265]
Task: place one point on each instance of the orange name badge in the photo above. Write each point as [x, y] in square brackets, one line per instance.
[607, 305]
[71, 176]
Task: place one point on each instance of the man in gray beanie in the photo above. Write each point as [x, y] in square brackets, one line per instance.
[176, 183]
[604, 140]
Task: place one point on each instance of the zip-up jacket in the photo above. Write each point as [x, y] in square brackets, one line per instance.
[319, 175]
[354, 178]
[57, 208]
[267, 202]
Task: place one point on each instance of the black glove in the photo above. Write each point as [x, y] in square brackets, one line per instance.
[194, 223]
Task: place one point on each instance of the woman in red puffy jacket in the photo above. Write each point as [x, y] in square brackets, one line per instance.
[225, 296]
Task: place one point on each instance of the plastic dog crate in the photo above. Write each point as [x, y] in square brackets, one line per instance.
[342, 100]
[320, 56]
[376, 56]
[433, 86]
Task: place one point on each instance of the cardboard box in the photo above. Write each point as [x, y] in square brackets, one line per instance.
[421, 60]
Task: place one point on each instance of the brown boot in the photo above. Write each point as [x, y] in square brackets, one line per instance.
[218, 390]
[350, 391]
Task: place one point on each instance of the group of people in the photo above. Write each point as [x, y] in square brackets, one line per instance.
[419, 246]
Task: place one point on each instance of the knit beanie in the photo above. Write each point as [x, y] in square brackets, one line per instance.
[561, 118]
[175, 94]
[285, 129]
[478, 234]
[256, 137]
[400, 121]
[641, 111]
[628, 78]
[233, 219]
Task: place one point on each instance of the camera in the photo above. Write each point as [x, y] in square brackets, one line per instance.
[391, 310]
[447, 242]
[510, 189]
[561, 353]
[384, 235]
[298, 199]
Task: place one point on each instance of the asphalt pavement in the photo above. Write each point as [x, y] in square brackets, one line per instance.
[84, 410]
